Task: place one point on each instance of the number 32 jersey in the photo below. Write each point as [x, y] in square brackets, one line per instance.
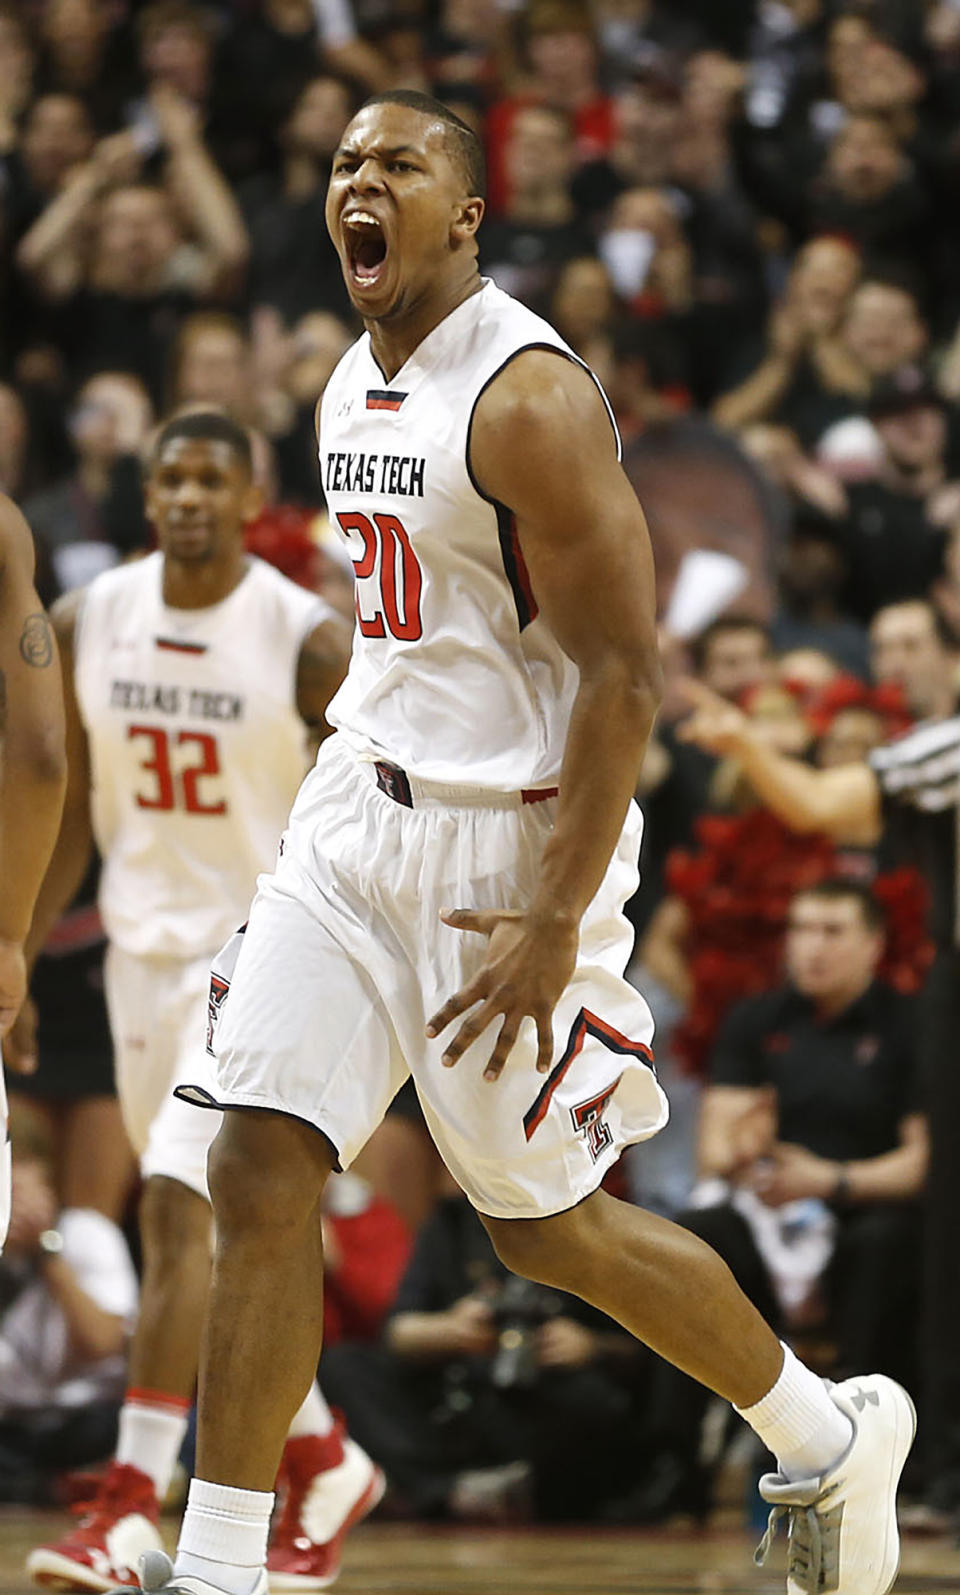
[453, 675]
[196, 748]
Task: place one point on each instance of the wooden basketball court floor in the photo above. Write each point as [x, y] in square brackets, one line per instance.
[412, 1559]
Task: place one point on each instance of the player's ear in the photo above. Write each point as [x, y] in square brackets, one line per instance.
[467, 218]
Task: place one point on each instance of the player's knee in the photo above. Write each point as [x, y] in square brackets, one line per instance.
[266, 1174]
[526, 1246]
[173, 1218]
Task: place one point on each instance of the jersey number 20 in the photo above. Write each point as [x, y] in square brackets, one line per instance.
[386, 547]
[178, 788]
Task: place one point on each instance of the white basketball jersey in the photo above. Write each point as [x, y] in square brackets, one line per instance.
[453, 677]
[196, 748]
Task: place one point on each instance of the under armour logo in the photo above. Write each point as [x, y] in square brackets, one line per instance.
[861, 1397]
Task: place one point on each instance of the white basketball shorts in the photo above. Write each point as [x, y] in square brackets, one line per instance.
[345, 959]
[158, 1019]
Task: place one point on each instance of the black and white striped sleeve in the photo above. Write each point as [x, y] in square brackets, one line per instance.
[922, 768]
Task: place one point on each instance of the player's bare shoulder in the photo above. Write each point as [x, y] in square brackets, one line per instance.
[543, 413]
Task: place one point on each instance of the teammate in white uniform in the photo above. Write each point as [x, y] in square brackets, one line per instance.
[196, 675]
[433, 875]
[33, 774]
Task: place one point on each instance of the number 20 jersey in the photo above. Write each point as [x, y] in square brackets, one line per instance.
[196, 748]
[453, 675]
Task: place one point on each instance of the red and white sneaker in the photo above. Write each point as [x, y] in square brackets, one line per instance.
[330, 1485]
[117, 1527]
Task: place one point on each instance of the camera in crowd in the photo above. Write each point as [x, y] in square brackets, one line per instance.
[519, 1309]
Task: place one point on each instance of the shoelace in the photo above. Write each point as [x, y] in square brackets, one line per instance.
[806, 1548]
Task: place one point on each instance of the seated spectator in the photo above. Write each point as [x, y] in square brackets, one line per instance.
[525, 246]
[70, 1294]
[110, 418]
[366, 1248]
[293, 264]
[82, 54]
[813, 1154]
[212, 365]
[584, 304]
[892, 537]
[482, 1379]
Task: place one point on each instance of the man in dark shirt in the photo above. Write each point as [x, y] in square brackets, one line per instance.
[813, 1152]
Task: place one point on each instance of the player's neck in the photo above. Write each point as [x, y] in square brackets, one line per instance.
[394, 341]
[198, 586]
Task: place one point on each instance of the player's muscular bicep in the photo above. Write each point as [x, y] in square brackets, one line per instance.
[543, 445]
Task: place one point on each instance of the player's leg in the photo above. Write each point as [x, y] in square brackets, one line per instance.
[306, 1065]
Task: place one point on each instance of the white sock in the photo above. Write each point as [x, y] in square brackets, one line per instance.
[152, 1427]
[314, 1417]
[799, 1423]
[224, 1535]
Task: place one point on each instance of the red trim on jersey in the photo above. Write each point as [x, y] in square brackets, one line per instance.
[173, 646]
[586, 1023]
[141, 1397]
[537, 794]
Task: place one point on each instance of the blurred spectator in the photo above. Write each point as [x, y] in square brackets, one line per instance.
[813, 1154]
[646, 119]
[868, 191]
[812, 577]
[470, 1404]
[366, 1248]
[584, 303]
[123, 258]
[17, 66]
[778, 380]
[110, 418]
[69, 1298]
[525, 246]
[56, 136]
[562, 70]
[80, 56]
[293, 264]
[212, 365]
[892, 537]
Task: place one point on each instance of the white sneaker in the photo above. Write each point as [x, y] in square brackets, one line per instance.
[158, 1578]
[843, 1537]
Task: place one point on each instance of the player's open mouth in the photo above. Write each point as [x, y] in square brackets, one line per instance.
[365, 245]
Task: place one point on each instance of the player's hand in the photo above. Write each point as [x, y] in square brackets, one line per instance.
[20, 1044]
[13, 986]
[529, 963]
[715, 725]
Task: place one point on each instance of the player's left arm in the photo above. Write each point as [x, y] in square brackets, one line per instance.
[34, 762]
[543, 445]
[321, 667]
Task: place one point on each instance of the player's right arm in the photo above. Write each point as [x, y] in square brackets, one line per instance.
[843, 802]
[71, 853]
[33, 765]
[71, 856]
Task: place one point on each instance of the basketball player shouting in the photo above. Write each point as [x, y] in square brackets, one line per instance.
[450, 890]
[192, 676]
[33, 775]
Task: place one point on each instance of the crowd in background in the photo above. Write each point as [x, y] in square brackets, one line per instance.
[743, 216]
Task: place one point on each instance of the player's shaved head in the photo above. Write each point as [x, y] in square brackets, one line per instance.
[462, 144]
[205, 426]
